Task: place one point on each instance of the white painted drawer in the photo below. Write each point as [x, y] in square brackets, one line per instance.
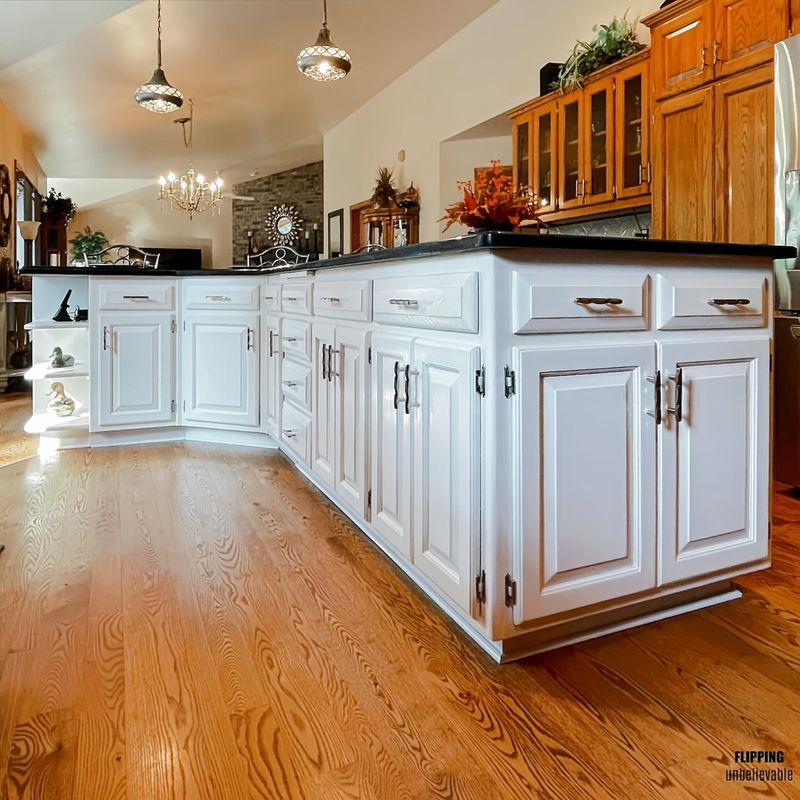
[208, 293]
[446, 302]
[272, 296]
[558, 300]
[296, 383]
[136, 295]
[705, 301]
[296, 338]
[343, 299]
[296, 432]
[296, 298]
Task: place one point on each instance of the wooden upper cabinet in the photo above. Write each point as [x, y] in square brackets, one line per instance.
[632, 131]
[683, 150]
[522, 138]
[598, 142]
[545, 155]
[743, 111]
[683, 47]
[571, 179]
[746, 31]
[794, 16]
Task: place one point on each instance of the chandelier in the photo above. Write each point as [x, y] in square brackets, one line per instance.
[191, 192]
[323, 60]
[157, 94]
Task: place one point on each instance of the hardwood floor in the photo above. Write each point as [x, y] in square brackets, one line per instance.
[189, 621]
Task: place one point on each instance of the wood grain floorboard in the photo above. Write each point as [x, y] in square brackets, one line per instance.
[189, 621]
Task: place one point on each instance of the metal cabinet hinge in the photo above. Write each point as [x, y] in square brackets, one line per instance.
[174, 326]
[173, 406]
[480, 381]
[510, 592]
[480, 587]
[510, 381]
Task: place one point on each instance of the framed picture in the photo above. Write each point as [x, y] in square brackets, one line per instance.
[506, 169]
[335, 233]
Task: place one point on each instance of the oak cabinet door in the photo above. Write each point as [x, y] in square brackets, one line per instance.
[571, 176]
[522, 138]
[632, 131]
[714, 457]
[743, 110]
[137, 364]
[390, 450]
[545, 156]
[323, 403]
[445, 476]
[598, 142]
[746, 31]
[586, 461]
[683, 150]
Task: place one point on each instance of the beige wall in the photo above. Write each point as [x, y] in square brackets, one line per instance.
[485, 69]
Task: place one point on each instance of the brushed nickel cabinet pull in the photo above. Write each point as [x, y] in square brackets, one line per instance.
[729, 301]
[677, 409]
[598, 301]
[399, 301]
[331, 351]
[251, 345]
[408, 404]
[289, 434]
[717, 56]
[291, 298]
[656, 381]
[289, 338]
[330, 300]
[218, 298]
[703, 63]
[290, 384]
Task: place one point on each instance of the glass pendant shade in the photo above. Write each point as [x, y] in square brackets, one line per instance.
[158, 95]
[323, 60]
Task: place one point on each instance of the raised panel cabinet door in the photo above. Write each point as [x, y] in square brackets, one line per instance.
[545, 156]
[683, 175]
[585, 451]
[272, 375]
[714, 460]
[632, 136]
[571, 177]
[323, 403]
[746, 32]
[744, 118]
[598, 142]
[446, 462]
[522, 138]
[390, 440]
[683, 50]
[221, 371]
[136, 369]
[350, 367]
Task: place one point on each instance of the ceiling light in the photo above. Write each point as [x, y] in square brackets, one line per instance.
[158, 95]
[324, 61]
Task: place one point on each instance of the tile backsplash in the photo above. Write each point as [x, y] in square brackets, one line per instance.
[621, 227]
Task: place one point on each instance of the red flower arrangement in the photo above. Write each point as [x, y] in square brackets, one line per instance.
[491, 202]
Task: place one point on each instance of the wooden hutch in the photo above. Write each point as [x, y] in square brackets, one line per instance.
[391, 226]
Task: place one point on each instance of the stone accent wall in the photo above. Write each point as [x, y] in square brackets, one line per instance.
[300, 187]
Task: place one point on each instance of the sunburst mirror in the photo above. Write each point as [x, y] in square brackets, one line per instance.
[284, 225]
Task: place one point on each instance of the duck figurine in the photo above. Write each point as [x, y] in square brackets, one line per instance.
[58, 359]
[60, 405]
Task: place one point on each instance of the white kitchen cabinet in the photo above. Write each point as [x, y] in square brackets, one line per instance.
[323, 403]
[137, 363]
[390, 439]
[586, 460]
[272, 375]
[445, 486]
[221, 368]
[714, 456]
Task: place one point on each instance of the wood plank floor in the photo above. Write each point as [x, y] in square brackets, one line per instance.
[188, 621]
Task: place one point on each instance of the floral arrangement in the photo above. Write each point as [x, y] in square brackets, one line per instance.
[491, 202]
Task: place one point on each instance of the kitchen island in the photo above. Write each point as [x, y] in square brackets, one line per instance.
[554, 437]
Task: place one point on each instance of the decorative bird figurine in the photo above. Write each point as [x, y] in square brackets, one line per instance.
[60, 405]
[58, 359]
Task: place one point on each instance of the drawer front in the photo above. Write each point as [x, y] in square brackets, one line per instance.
[707, 302]
[136, 295]
[552, 302]
[296, 432]
[296, 383]
[444, 302]
[272, 296]
[207, 293]
[343, 299]
[296, 338]
[296, 298]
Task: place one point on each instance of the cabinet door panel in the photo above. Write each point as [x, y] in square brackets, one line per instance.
[571, 178]
[522, 138]
[545, 156]
[446, 457]
[714, 462]
[586, 490]
[747, 31]
[323, 405]
[632, 137]
[137, 363]
[391, 443]
[598, 142]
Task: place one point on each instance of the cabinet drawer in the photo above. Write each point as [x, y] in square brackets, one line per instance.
[705, 302]
[272, 296]
[208, 293]
[296, 298]
[296, 338]
[550, 301]
[343, 299]
[136, 295]
[296, 432]
[444, 302]
[296, 383]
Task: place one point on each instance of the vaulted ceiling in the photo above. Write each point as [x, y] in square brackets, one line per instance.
[68, 68]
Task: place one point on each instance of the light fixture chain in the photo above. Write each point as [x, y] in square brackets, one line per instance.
[324, 13]
[159, 34]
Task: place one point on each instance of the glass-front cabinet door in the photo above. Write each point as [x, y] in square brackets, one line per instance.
[544, 156]
[633, 132]
[597, 181]
[572, 181]
[523, 138]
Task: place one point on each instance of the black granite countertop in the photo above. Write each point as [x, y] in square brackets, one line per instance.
[490, 240]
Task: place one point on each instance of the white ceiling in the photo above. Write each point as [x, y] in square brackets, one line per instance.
[76, 64]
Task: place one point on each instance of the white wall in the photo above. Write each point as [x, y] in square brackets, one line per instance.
[487, 68]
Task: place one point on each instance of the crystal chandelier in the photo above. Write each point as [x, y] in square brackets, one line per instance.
[157, 94]
[323, 60]
[191, 192]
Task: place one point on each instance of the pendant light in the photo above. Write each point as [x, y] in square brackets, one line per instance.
[158, 95]
[324, 61]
